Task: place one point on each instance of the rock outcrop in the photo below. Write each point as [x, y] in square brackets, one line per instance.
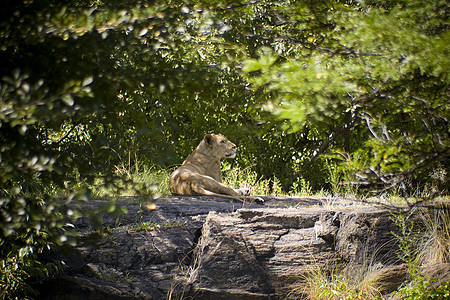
[211, 248]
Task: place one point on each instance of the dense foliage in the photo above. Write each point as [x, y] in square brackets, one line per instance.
[369, 80]
[86, 85]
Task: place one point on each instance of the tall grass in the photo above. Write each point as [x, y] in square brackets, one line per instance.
[246, 178]
[139, 175]
[340, 180]
[301, 187]
[153, 177]
[135, 178]
[435, 238]
[333, 282]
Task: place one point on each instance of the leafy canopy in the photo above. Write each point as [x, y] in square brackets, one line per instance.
[380, 68]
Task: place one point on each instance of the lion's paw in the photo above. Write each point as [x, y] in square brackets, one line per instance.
[259, 200]
[243, 191]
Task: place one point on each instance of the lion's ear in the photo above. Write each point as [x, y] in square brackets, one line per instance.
[208, 139]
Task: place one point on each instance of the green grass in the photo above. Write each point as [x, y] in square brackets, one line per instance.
[246, 178]
[135, 179]
[152, 180]
[152, 226]
[155, 178]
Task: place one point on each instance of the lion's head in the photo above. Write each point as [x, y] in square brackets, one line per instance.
[219, 146]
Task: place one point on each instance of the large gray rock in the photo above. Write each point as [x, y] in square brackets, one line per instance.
[270, 251]
[211, 248]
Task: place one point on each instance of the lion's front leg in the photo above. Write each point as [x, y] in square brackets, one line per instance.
[205, 185]
[202, 182]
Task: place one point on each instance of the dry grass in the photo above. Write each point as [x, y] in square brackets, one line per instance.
[335, 285]
[435, 239]
[333, 282]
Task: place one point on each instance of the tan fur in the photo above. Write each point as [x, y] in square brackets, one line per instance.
[200, 173]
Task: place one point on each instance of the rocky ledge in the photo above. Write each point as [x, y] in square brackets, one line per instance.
[211, 248]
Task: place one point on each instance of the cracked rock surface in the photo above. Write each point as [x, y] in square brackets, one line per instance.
[212, 248]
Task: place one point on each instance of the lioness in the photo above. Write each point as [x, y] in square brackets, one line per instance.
[200, 172]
